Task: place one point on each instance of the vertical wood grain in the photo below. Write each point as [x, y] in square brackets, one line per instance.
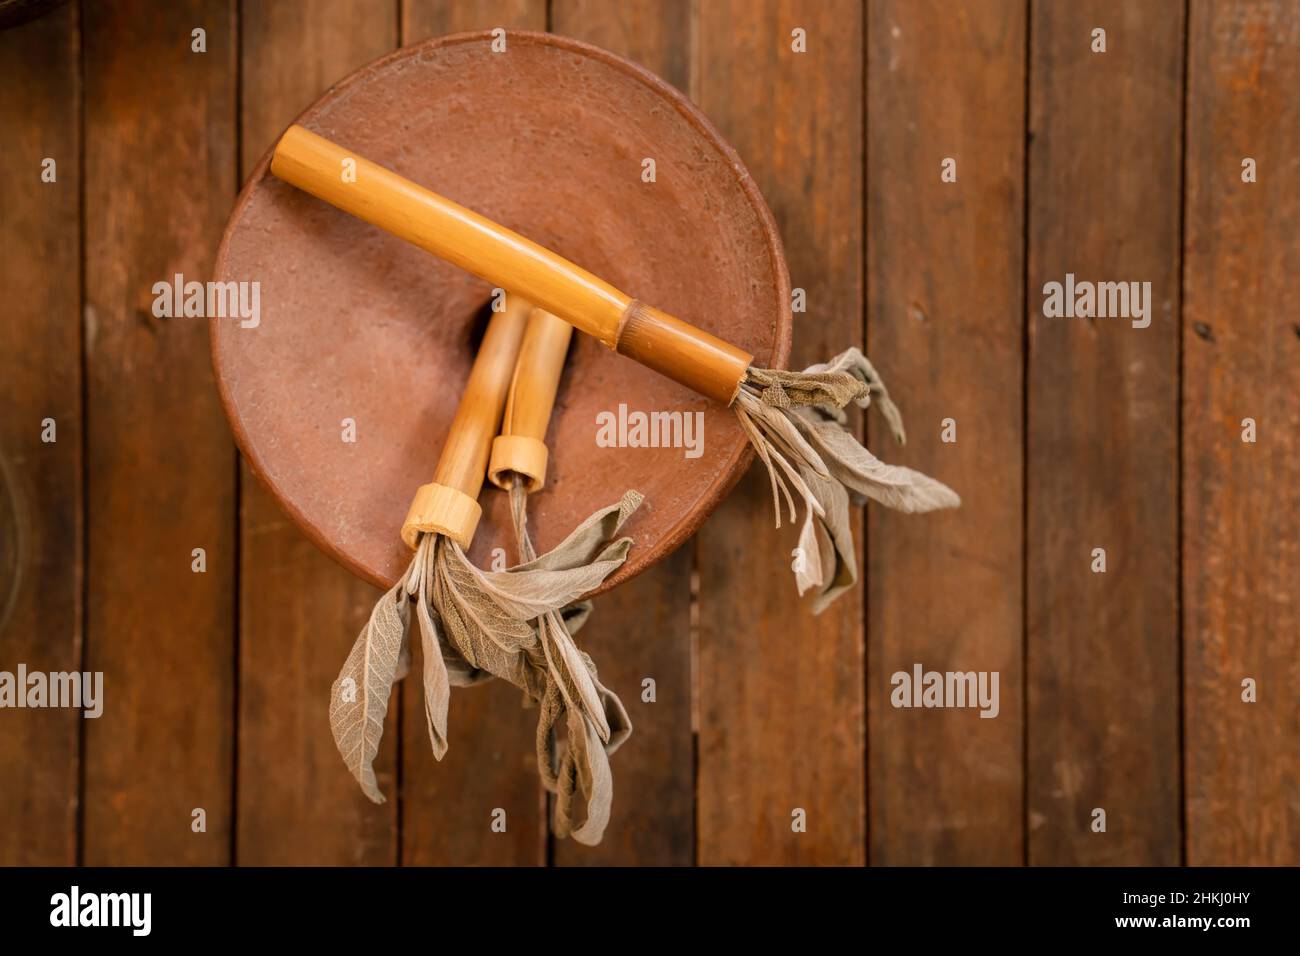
[642, 628]
[299, 611]
[781, 711]
[1104, 200]
[159, 176]
[654, 33]
[491, 761]
[1241, 355]
[40, 482]
[422, 19]
[944, 329]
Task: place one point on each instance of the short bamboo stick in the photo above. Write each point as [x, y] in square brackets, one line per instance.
[520, 449]
[449, 504]
[684, 353]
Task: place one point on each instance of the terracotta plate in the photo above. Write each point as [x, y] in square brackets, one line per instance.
[548, 138]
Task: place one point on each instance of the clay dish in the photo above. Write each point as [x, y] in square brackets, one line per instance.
[547, 138]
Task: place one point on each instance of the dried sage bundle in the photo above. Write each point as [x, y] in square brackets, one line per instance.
[475, 625]
[796, 423]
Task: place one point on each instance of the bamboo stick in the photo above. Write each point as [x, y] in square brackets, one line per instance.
[449, 504]
[520, 449]
[660, 341]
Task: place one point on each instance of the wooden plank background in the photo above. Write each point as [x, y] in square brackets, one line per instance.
[1120, 691]
[158, 154]
[944, 316]
[41, 573]
[1241, 527]
[1101, 442]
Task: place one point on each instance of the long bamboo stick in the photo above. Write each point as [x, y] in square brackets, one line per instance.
[648, 335]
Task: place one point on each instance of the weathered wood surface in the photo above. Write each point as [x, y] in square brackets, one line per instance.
[160, 463]
[944, 328]
[1120, 691]
[41, 494]
[1102, 437]
[1241, 359]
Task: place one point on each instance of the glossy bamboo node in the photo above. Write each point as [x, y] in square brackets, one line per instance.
[698, 360]
[449, 504]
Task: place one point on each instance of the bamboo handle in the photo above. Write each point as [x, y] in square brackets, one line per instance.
[449, 504]
[521, 446]
[684, 353]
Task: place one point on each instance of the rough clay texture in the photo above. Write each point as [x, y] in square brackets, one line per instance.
[548, 139]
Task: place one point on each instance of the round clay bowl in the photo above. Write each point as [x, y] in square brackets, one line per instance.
[547, 138]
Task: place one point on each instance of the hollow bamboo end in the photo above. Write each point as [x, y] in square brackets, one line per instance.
[521, 455]
[441, 510]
